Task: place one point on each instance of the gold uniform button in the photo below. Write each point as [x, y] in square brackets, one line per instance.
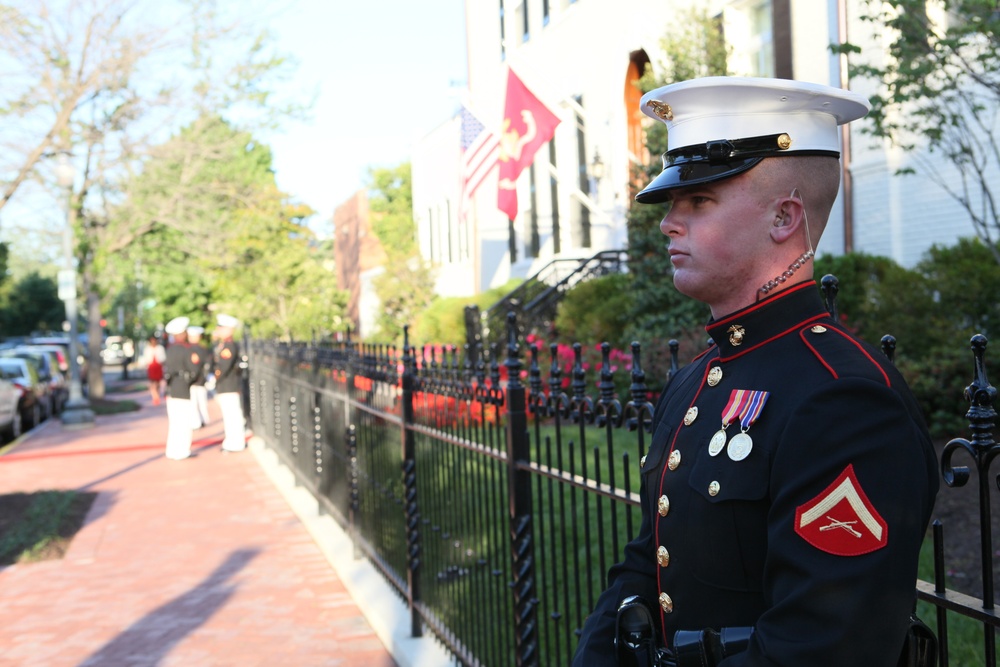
[666, 604]
[818, 329]
[691, 415]
[663, 556]
[675, 460]
[714, 488]
[714, 376]
[642, 461]
[663, 506]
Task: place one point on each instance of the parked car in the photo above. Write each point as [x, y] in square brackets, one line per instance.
[10, 410]
[117, 350]
[61, 353]
[50, 370]
[62, 342]
[45, 369]
[34, 392]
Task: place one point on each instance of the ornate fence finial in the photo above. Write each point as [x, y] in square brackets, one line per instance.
[513, 362]
[889, 347]
[830, 286]
[582, 405]
[434, 375]
[638, 411]
[674, 358]
[537, 397]
[579, 381]
[610, 409]
[494, 366]
[981, 396]
[556, 402]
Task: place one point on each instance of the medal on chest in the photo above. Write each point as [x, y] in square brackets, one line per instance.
[746, 406]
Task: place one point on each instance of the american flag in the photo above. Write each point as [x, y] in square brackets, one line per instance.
[480, 151]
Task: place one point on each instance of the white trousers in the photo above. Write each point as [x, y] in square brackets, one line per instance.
[232, 420]
[199, 406]
[178, 428]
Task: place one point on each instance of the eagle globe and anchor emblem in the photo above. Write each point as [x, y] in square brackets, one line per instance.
[512, 142]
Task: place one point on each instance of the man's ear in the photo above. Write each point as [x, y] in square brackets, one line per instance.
[788, 221]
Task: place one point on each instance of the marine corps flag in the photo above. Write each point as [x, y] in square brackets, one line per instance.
[527, 124]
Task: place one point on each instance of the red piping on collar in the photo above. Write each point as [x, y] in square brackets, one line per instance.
[787, 331]
[743, 313]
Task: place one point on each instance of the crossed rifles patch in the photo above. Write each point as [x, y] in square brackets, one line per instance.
[841, 520]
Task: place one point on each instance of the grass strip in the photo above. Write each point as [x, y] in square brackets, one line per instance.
[38, 526]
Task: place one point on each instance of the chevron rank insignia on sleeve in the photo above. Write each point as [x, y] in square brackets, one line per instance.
[841, 520]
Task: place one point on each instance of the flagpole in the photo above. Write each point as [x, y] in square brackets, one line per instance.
[476, 253]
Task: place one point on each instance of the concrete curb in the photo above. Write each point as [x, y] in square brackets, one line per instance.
[388, 616]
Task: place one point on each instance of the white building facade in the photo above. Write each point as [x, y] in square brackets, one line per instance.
[581, 58]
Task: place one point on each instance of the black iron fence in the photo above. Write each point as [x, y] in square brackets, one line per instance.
[493, 493]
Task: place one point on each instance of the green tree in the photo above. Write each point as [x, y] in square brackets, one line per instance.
[443, 321]
[102, 81]
[406, 287]
[939, 88]
[391, 205]
[282, 284]
[693, 48]
[965, 286]
[878, 297]
[233, 242]
[596, 311]
[31, 304]
[4, 263]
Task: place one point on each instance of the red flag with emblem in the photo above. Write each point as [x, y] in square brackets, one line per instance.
[527, 124]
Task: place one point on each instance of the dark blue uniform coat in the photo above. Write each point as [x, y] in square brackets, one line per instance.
[227, 367]
[183, 364]
[813, 537]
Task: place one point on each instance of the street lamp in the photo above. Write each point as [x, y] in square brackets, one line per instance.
[77, 410]
[597, 166]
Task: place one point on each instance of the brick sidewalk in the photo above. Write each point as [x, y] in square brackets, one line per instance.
[191, 563]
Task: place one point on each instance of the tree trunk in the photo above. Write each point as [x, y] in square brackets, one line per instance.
[95, 337]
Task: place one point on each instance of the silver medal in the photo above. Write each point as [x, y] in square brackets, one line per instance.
[740, 446]
[718, 441]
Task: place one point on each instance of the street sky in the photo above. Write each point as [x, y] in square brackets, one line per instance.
[385, 73]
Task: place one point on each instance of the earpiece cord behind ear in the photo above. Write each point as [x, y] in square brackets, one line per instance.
[798, 263]
[805, 218]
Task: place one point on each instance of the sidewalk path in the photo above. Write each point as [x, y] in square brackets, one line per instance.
[190, 563]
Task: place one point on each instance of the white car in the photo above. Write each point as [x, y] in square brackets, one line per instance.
[10, 412]
[117, 351]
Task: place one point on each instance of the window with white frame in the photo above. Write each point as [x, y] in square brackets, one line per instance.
[749, 31]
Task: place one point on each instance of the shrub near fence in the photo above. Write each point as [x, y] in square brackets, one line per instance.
[493, 495]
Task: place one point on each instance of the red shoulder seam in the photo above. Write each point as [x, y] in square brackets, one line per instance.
[853, 342]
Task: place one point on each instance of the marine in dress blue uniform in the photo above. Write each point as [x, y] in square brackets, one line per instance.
[229, 383]
[199, 392]
[180, 369]
[790, 477]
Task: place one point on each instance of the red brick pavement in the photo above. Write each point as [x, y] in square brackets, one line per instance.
[195, 562]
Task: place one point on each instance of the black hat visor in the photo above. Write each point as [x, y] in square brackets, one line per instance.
[713, 161]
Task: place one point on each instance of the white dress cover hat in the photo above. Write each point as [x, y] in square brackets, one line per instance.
[176, 325]
[721, 126]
